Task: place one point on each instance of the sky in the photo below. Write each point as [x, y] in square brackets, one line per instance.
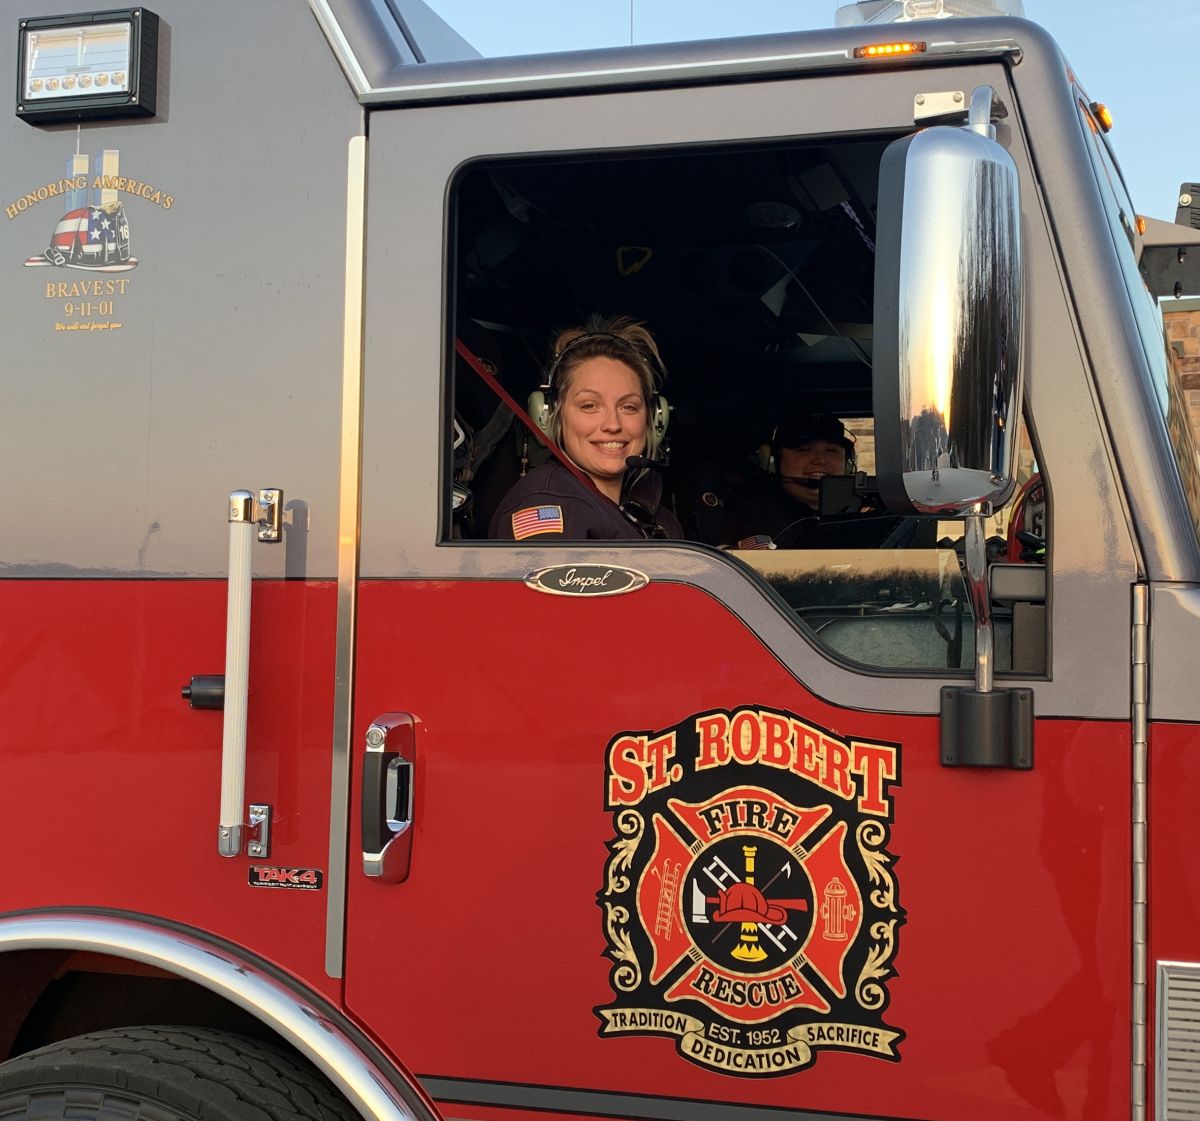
[1136, 56]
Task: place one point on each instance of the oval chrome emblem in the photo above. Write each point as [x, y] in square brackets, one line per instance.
[586, 580]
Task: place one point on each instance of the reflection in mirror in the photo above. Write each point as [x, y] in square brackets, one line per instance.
[948, 315]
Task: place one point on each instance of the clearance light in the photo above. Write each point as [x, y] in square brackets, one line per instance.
[1141, 225]
[889, 50]
[89, 66]
[1102, 115]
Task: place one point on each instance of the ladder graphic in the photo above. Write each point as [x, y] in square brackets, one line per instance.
[668, 881]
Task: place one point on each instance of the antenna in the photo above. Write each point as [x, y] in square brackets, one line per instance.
[631, 40]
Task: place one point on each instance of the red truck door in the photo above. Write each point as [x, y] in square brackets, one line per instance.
[693, 846]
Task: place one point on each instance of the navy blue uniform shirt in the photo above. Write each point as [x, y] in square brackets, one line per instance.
[552, 505]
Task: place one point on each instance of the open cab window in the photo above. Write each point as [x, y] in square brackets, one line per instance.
[754, 267]
[904, 605]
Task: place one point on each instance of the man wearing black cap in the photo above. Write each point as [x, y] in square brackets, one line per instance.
[803, 451]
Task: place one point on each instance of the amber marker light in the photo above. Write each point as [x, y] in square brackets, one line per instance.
[1102, 115]
[889, 50]
[1141, 225]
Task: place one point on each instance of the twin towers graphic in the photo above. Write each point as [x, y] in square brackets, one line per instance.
[93, 233]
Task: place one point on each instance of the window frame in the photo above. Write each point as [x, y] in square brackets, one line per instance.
[744, 560]
[1165, 384]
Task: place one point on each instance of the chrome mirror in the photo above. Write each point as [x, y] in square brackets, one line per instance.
[948, 308]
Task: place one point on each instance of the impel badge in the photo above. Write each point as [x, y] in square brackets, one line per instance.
[586, 580]
[749, 903]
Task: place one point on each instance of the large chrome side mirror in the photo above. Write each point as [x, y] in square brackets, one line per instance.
[947, 379]
[948, 308]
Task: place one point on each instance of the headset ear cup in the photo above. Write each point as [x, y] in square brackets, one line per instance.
[660, 414]
[539, 407]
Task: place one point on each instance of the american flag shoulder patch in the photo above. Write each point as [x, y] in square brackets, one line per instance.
[758, 541]
[537, 519]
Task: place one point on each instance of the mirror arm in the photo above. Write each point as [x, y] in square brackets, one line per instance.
[979, 114]
[975, 556]
[984, 726]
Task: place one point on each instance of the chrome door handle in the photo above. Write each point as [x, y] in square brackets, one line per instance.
[389, 767]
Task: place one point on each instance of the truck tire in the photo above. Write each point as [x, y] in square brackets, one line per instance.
[166, 1074]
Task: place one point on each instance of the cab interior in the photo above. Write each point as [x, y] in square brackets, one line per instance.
[753, 266]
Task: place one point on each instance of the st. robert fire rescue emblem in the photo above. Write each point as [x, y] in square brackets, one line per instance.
[750, 906]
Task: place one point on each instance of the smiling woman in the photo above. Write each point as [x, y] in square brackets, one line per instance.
[603, 421]
[599, 403]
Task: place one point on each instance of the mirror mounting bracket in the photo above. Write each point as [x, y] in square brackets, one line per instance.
[985, 726]
[993, 729]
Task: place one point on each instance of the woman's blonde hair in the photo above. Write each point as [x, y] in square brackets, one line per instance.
[621, 338]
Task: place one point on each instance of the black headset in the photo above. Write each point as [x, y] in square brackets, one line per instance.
[543, 399]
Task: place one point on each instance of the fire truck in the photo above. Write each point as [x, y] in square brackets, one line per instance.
[319, 801]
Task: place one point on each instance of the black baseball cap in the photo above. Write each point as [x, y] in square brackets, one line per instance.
[795, 432]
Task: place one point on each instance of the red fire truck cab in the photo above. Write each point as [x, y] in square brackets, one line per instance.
[318, 796]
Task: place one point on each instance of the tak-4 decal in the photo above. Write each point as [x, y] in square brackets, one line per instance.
[749, 901]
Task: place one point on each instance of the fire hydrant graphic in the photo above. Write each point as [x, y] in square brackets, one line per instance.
[836, 911]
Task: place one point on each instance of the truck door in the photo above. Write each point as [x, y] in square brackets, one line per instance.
[692, 846]
[174, 347]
